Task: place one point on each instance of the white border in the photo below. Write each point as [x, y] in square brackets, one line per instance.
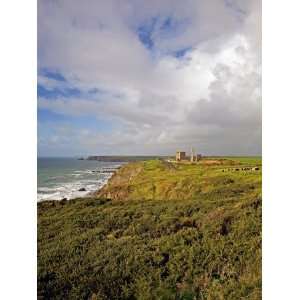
[281, 150]
[18, 149]
[281, 179]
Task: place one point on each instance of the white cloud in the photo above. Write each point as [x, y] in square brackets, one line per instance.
[209, 98]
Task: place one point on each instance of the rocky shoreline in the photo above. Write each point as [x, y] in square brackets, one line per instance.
[113, 171]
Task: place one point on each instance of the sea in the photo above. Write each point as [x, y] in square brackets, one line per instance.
[59, 178]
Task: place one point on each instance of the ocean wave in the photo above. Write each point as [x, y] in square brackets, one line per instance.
[70, 190]
[76, 183]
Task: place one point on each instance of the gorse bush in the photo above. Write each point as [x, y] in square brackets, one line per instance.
[206, 245]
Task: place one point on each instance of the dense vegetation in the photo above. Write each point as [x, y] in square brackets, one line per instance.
[157, 231]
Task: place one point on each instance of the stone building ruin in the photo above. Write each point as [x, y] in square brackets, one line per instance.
[181, 156]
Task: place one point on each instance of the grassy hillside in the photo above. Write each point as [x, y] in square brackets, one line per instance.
[157, 231]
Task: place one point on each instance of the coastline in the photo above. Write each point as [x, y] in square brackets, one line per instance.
[79, 179]
[101, 188]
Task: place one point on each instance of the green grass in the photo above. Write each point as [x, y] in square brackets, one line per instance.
[161, 180]
[166, 232]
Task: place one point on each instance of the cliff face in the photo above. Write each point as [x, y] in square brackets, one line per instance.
[118, 186]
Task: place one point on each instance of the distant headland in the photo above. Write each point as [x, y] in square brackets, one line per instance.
[125, 158]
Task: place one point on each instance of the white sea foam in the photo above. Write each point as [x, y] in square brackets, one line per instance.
[70, 190]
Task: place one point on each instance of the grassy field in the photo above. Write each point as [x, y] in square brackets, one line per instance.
[158, 230]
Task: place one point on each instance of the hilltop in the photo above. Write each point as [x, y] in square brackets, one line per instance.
[157, 230]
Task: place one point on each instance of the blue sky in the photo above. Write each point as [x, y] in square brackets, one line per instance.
[137, 77]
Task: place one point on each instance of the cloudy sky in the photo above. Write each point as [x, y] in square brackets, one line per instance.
[149, 77]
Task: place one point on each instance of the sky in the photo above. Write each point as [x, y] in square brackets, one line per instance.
[137, 77]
